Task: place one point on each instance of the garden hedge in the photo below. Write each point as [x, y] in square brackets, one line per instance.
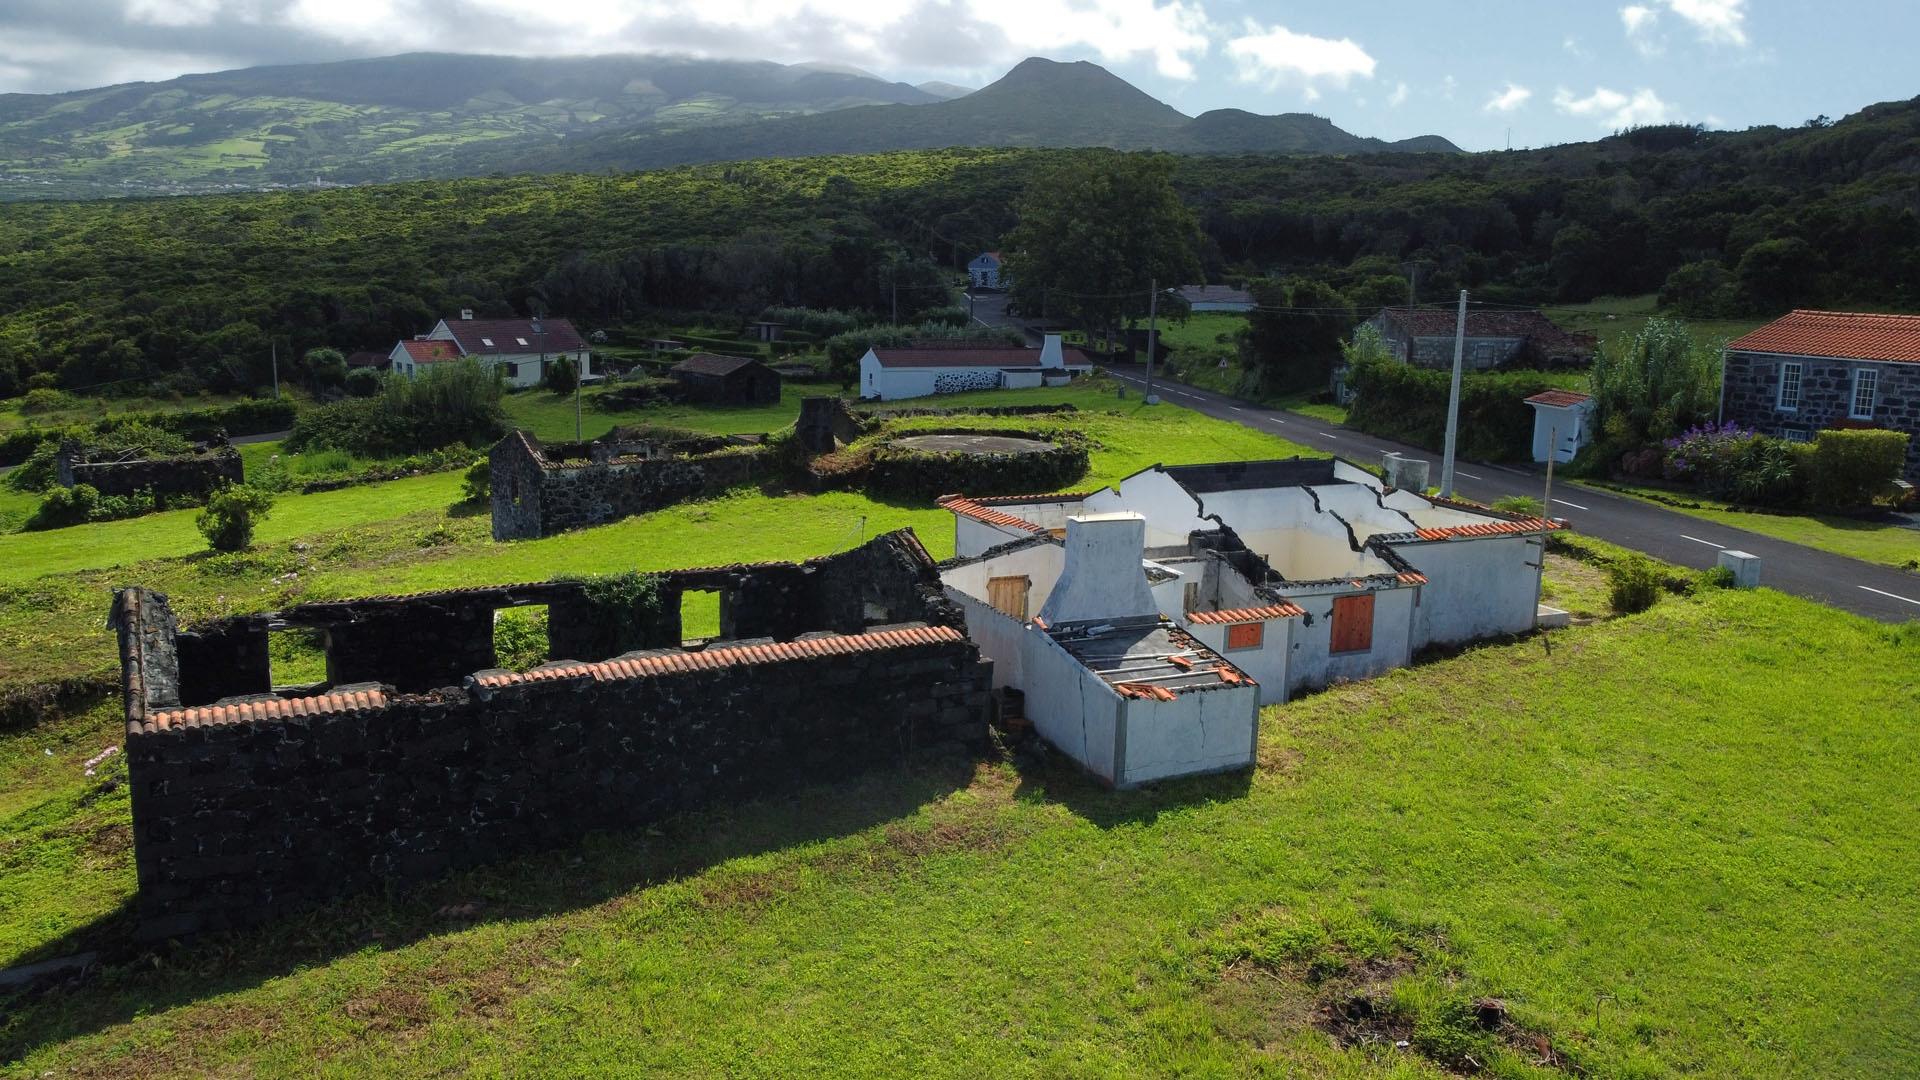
[1399, 401]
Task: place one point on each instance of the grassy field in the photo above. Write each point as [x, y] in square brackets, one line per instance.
[85, 410]
[1661, 869]
[1872, 541]
[551, 417]
[1611, 318]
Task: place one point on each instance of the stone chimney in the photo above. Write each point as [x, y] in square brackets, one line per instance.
[1051, 354]
[1102, 578]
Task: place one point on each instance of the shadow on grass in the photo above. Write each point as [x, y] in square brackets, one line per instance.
[1047, 776]
[136, 980]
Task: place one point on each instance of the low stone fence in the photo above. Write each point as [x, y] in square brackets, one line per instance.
[198, 474]
[537, 492]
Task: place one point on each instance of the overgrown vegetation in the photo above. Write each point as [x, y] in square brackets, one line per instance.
[230, 515]
[452, 404]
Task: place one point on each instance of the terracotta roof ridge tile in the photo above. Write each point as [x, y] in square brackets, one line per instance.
[268, 709]
[1249, 614]
[729, 656]
[966, 507]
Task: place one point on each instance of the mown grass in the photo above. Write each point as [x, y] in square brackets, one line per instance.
[1871, 541]
[1664, 868]
[551, 416]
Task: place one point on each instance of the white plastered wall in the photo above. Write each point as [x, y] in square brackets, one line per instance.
[1070, 706]
[1202, 731]
[1313, 663]
[971, 536]
[1479, 587]
[1267, 664]
[1041, 563]
[1172, 514]
[1298, 540]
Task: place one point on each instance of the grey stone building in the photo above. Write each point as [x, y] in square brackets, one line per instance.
[1521, 339]
[1812, 370]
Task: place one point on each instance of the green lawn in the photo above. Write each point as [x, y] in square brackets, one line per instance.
[1662, 868]
[1611, 318]
[85, 410]
[1870, 541]
[551, 417]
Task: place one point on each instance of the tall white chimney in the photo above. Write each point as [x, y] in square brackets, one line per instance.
[466, 313]
[1051, 355]
[1103, 577]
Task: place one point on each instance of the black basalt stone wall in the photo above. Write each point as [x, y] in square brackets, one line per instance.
[240, 815]
[533, 495]
[1750, 398]
[197, 474]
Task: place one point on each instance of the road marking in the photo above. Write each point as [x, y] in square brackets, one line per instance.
[1697, 540]
[1895, 596]
[1564, 502]
[1274, 420]
[1468, 475]
[1236, 408]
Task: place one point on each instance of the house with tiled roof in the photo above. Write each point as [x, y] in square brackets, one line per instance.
[950, 367]
[1215, 298]
[1298, 572]
[983, 271]
[733, 380]
[521, 349]
[1811, 370]
[1424, 337]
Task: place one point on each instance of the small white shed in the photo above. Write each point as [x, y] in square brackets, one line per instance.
[984, 271]
[1562, 424]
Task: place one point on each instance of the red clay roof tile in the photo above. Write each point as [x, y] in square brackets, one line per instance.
[274, 709]
[730, 656]
[1842, 334]
[966, 507]
[1562, 398]
[1491, 528]
[1252, 614]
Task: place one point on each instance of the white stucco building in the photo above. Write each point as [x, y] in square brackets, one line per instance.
[520, 348]
[888, 374]
[1562, 424]
[983, 272]
[1295, 573]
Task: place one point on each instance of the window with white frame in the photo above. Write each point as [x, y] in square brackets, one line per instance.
[1866, 392]
[1788, 396]
[1794, 434]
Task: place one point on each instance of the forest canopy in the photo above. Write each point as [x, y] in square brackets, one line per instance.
[197, 292]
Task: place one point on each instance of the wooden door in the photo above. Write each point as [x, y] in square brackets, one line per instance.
[1353, 623]
[1008, 595]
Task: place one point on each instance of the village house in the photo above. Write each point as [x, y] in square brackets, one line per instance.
[1215, 298]
[1810, 370]
[731, 380]
[1526, 339]
[888, 374]
[984, 271]
[520, 348]
[1292, 574]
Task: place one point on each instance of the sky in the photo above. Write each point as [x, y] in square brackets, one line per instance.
[1484, 73]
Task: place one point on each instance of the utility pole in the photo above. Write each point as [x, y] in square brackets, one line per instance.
[577, 380]
[274, 348]
[1153, 332]
[1413, 284]
[1453, 399]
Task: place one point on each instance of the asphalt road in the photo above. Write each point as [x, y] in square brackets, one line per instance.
[1878, 592]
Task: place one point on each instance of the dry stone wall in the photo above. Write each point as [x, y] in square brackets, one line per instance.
[197, 474]
[534, 493]
[254, 803]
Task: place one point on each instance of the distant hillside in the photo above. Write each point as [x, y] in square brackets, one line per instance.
[443, 115]
[1039, 103]
[396, 117]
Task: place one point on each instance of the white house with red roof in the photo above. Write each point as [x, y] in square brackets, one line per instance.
[950, 367]
[1811, 370]
[1298, 572]
[520, 348]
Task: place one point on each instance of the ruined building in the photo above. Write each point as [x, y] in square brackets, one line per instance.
[538, 490]
[415, 755]
[198, 473]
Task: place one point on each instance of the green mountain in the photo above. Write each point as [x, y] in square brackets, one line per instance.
[444, 115]
[1039, 103]
[396, 117]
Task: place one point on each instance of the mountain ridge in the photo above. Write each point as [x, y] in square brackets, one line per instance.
[442, 115]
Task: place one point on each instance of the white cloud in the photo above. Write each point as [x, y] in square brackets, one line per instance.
[173, 12]
[1614, 110]
[1275, 56]
[1718, 22]
[1399, 95]
[1642, 24]
[1509, 99]
[1447, 86]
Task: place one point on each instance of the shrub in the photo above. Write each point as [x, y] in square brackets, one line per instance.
[1633, 585]
[363, 382]
[46, 399]
[1717, 577]
[1656, 384]
[520, 638]
[1409, 403]
[231, 513]
[1846, 469]
[81, 504]
[1731, 462]
[562, 376]
[813, 322]
[477, 485]
[448, 404]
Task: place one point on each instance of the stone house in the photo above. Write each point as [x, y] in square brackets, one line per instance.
[1810, 370]
[732, 380]
[1296, 573]
[1215, 298]
[1520, 339]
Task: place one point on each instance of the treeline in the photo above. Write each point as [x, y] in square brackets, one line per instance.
[196, 292]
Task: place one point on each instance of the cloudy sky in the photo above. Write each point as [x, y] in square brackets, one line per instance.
[1544, 70]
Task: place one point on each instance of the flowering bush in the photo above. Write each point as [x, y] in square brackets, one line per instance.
[1732, 462]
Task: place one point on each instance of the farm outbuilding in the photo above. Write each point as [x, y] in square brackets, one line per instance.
[731, 380]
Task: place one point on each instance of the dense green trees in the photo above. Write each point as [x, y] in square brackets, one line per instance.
[194, 292]
[1655, 385]
[1095, 231]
